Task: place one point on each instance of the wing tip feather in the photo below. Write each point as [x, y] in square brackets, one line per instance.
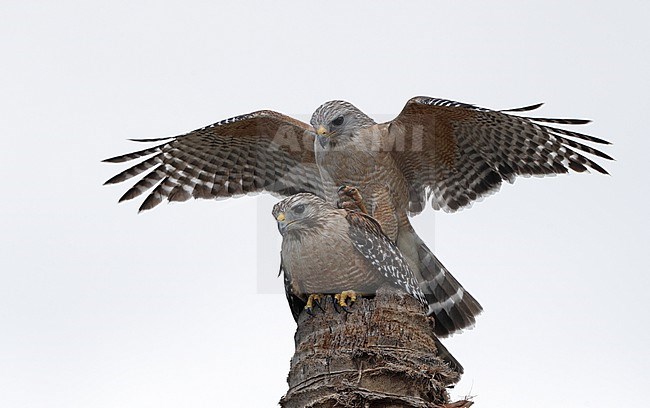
[524, 108]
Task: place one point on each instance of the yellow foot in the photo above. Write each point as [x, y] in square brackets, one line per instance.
[345, 299]
[312, 300]
[347, 193]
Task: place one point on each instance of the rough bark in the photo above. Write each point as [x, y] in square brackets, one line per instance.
[382, 354]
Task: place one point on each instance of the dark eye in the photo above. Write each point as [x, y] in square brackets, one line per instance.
[299, 209]
[338, 121]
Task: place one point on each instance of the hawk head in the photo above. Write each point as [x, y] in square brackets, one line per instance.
[300, 213]
[337, 122]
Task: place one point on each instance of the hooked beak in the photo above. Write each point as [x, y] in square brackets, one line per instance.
[282, 224]
[322, 135]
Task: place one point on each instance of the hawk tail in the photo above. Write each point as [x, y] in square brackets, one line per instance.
[446, 356]
[452, 307]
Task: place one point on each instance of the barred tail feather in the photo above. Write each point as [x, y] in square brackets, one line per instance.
[452, 307]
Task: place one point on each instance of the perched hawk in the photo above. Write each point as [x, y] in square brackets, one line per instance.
[330, 251]
[445, 152]
[327, 251]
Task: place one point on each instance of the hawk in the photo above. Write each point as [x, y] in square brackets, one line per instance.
[331, 251]
[439, 151]
[327, 251]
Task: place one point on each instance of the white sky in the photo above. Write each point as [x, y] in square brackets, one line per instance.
[101, 307]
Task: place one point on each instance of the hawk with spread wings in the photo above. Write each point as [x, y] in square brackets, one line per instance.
[435, 150]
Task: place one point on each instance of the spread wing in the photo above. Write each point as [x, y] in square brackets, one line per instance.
[381, 254]
[260, 151]
[455, 153]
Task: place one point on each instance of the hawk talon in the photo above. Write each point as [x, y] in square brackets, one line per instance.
[314, 299]
[318, 303]
[350, 199]
[345, 300]
[309, 311]
[336, 306]
[347, 205]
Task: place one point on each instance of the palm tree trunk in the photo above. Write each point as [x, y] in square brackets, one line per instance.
[381, 354]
